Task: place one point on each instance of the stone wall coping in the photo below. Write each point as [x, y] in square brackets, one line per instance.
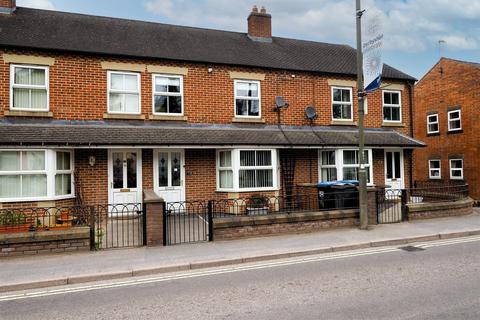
[150, 196]
[41, 236]
[243, 221]
[432, 206]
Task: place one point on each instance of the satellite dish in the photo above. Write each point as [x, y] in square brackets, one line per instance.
[310, 113]
[280, 103]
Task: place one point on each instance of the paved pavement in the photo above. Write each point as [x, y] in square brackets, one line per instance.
[440, 282]
[49, 270]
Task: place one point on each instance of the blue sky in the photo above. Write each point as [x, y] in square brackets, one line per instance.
[412, 27]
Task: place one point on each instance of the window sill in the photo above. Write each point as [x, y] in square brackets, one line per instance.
[247, 120]
[393, 124]
[167, 118]
[342, 123]
[39, 199]
[455, 131]
[18, 113]
[246, 190]
[124, 116]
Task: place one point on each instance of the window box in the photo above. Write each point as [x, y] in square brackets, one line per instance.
[29, 88]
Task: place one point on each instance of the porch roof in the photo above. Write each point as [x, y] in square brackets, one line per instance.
[36, 132]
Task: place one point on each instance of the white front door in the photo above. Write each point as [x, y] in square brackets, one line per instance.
[394, 177]
[169, 174]
[124, 176]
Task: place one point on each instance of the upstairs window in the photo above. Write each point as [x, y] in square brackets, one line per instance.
[432, 123]
[434, 169]
[392, 108]
[456, 169]
[342, 103]
[29, 88]
[123, 92]
[167, 95]
[247, 98]
[454, 120]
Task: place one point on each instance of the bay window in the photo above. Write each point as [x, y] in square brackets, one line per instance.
[247, 170]
[31, 175]
[123, 92]
[343, 164]
[28, 88]
[247, 98]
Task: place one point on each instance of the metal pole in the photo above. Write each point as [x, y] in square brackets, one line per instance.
[362, 173]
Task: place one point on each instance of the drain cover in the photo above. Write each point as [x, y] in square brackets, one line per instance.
[412, 248]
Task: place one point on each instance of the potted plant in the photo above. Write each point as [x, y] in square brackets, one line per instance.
[13, 222]
[257, 205]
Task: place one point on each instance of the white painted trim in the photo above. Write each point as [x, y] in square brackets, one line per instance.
[235, 82]
[392, 105]
[47, 86]
[139, 188]
[341, 103]
[460, 169]
[429, 123]
[402, 169]
[430, 169]
[154, 93]
[182, 186]
[339, 163]
[138, 75]
[450, 119]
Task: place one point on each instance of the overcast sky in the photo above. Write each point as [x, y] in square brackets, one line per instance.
[412, 27]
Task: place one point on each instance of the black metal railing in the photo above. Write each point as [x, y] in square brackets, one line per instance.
[437, 193]
[44, 219]
[187, 221]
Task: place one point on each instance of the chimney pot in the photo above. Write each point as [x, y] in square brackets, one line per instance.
[8, 6]
[260, 25]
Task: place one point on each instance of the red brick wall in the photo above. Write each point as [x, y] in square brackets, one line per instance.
[78, 90]
[448, 84]
[92, 182]
[8, 3]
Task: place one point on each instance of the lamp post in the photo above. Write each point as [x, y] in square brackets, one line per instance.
[362, 173]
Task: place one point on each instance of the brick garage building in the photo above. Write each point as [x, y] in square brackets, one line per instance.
[446, 119]
[96, 110]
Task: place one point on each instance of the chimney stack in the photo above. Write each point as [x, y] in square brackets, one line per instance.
[8, 6]
[260, 25]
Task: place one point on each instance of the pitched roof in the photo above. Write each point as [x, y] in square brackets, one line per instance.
[95, 133]
[53, 30]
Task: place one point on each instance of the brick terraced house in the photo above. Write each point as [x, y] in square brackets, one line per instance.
[447, 114]
[95, 110]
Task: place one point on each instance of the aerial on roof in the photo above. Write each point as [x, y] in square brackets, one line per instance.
[53, 30]
[30, 132]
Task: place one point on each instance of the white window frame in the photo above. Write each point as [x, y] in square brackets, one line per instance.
[109, 90]
[432, 122]
[342, 103]
[454, 119]
[50, 172]
[176, 94]
[22, 86]
[391, 105]
[340, 165]
[70, 171]
[327, 166]
[236, 169]
[235, 97]
[430, 169]
[455, 169]
[220, 169]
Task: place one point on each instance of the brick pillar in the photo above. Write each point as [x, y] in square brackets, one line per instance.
[155, 208]
[372, 206]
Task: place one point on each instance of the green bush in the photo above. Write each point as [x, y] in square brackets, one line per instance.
[12, 219]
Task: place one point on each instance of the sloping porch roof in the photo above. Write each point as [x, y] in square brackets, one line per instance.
[35, 132]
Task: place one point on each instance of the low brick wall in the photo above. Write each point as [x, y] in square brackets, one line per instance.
[253, 226]
[54, 241]
[427, 210]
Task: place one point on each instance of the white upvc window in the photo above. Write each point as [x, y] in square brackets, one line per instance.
[392, 106]
[29, 88]
[35, 175]
[455, 120]
[167, 94]
[247, 170]
[123, 92]
[434, 169]
[432, 123]
[342, 105]
[247, 99]
[343, 164]
[456, 169]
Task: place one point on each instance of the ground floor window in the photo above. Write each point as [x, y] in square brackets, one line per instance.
[456, 169]
[30, 175]
[247, 170]
[434, 169]
[343, 164]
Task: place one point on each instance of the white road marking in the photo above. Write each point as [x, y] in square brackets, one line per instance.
[231, 269]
